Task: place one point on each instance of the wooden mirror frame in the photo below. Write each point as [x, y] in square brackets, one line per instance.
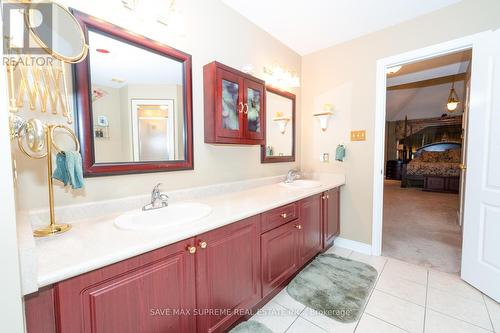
[83, 106]
[279, 159]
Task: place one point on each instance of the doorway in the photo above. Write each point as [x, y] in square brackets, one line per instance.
[426, 106]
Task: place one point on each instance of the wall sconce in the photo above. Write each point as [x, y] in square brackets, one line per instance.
[281, 121]
[281, 78]
[324, 115]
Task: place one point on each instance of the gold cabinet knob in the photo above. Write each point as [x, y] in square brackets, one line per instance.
[203, 244]
[191, 249]
[283, 215]
[298, 226]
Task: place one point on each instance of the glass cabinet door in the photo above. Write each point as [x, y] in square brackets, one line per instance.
[231, 105]
[253, 110]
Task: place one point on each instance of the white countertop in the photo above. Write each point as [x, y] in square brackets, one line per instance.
[96, 242]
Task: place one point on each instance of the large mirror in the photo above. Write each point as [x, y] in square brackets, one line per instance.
[280, 127]
[134, 103]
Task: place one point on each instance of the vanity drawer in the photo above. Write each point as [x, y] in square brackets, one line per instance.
[278, 216]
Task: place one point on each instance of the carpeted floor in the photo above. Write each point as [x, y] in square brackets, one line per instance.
[420, 227]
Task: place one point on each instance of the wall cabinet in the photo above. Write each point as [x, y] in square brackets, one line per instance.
[331, 216]
[202, 284]
[234, 106]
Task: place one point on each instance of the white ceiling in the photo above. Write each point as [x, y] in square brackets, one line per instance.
[308, 26]
[429, 101]
[421, 103]
[449, 64]
[428, 74]
[129, 63]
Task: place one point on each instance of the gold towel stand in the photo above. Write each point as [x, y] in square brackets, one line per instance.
[40, 139]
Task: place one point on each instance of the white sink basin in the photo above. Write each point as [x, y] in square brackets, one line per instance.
[175, 214]
[302, 183]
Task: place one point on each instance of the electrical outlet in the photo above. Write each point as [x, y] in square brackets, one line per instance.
[358, 135]
[324, 157]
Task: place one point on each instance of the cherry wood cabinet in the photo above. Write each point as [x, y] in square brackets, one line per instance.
[202, 284]
[135, 295]
[227, 273]
[39, 310]
[331, 216]
[278, 216]
[280, 255]
[310, 239]
[234, 106]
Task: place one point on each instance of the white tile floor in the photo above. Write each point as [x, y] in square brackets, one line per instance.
[406, 298]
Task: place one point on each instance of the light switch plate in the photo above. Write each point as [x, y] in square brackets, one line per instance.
[358, 135]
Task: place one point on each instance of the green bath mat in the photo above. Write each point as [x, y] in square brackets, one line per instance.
[251, 326]
[336, 287]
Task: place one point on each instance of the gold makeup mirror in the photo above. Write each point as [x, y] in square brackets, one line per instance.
[60, 35]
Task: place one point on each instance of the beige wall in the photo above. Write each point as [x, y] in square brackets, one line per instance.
[213, 32]
[109, 149]
[116, 105]
[280, 142]
[345, 76]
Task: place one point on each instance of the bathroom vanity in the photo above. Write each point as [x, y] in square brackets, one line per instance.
[204, 283]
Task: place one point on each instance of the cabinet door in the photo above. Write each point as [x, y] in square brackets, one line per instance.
[135, 295]
[254, 110]
[331, 216]
[227, 273]
[229, 104]
[310, 228]
[279, 255]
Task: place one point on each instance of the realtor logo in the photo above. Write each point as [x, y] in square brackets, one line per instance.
[19, 20]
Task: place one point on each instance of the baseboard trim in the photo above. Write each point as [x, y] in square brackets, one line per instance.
[353, 245]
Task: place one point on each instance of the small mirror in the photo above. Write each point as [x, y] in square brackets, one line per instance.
[139, 103]
[57, 31]
[280, 127]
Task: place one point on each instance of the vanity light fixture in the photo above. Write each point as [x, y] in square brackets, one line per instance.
[280, 77]
[172, 17]
[393, 70]
[324, 115]
[453, 101]
[281, 121]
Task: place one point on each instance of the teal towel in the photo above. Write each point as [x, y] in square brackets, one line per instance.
[69, 169]
[340, 153]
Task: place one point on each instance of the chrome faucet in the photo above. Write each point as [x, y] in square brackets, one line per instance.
[158, 199]
[292, 175]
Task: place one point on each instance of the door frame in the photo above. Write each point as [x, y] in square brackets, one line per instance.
[424, 53]
[171, 125]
